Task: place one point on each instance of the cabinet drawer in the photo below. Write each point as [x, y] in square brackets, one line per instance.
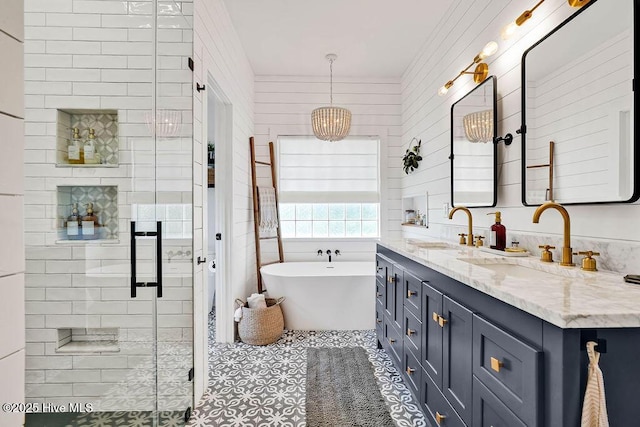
[392, 342]
[382, 265]
[509, 368]
[412, 293]
[412, 371]
[488, 411]
[436, 408]
[412, 332]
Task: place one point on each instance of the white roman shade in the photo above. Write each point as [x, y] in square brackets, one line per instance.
[314, 171]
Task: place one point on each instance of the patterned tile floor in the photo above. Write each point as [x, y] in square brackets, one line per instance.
[265, 385]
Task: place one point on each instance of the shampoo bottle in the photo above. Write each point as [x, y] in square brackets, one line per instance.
[498, 234]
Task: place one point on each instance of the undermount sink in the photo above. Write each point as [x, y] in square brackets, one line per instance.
[511, 269]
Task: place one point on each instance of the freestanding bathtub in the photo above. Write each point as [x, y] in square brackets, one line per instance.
[324, 295]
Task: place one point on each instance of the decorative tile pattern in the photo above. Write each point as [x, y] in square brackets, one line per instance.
[105, 206]
[265, 385]
[106, 129]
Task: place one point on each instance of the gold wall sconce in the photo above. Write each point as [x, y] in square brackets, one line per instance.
[481, 71]
[510, 29]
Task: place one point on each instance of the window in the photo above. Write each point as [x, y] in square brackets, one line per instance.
[328, 189]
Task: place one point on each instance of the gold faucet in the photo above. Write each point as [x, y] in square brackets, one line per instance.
[567, 254]
[462, 208]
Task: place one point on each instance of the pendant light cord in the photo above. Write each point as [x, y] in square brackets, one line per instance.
[331, 81]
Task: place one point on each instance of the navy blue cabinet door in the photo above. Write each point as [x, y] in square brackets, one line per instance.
[398, 299]
[432, 333]
[457, 357]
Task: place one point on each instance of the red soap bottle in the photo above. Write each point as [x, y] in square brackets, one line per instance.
[498, 234]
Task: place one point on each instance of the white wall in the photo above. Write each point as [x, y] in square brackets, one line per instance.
[218, 54]
[456, 39]
[12, 265]
[283, 106]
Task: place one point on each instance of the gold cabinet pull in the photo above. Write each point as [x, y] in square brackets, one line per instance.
[435, 317]
[410, 332]
[442, 321]
[391, 340]
[439, 417]
[410, 371]
[411, 293]
[496, 364]
[392, 279]
[378, 321]
[378, 294]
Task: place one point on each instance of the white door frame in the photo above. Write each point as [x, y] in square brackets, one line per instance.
[223, 209]
[224, 225]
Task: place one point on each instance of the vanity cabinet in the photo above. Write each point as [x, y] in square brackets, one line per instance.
[446, 351]
[474, 360]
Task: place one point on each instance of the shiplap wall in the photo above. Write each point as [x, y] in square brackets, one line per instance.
[283, 106]
[12, 265]
[453, 43]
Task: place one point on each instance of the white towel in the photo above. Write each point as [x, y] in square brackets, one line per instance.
[268, 221]
[594, 408]
[257, 301]
[237, 315]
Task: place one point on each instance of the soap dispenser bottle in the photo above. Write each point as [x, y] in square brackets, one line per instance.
[90, 154]
[73, 149]
[498, 233]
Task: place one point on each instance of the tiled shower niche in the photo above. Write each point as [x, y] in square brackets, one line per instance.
[105, 125]
[105, 207]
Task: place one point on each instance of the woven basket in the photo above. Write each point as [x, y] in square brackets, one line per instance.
[261, 326]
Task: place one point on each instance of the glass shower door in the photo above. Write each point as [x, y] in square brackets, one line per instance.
[109, 259]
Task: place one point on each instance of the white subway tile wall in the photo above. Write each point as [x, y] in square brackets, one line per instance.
[84, 56]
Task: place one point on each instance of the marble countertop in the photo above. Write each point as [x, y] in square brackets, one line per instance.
[567, 297]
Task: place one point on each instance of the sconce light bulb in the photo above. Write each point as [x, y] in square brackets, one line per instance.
[443, 91]
[508, 30]
[489, 49]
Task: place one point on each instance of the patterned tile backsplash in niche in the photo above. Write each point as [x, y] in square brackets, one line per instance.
[103, 122]
[105, 207]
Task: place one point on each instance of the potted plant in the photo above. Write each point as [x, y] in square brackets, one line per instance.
[412, 157]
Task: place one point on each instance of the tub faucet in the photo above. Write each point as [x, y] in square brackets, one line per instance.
[329, 253]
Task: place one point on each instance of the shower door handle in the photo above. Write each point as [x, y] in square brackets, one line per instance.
[134, 280]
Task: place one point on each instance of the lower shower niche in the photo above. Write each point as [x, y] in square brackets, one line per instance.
[87, 213]
[83, 340]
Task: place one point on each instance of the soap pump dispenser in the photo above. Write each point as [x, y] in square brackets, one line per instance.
[498, 233]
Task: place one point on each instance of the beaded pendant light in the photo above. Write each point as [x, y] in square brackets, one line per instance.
[331, 123]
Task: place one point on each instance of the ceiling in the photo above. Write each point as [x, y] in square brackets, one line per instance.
[372, 38]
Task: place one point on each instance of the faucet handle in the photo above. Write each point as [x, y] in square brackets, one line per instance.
[463, 240]
[546, 255]
[319, 252]
[336, 252]
[588, 263]
[479, 241]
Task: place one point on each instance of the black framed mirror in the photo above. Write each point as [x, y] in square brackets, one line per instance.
[473, 150]
[578, 116]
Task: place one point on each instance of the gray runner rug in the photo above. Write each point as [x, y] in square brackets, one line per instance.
[342, 390]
